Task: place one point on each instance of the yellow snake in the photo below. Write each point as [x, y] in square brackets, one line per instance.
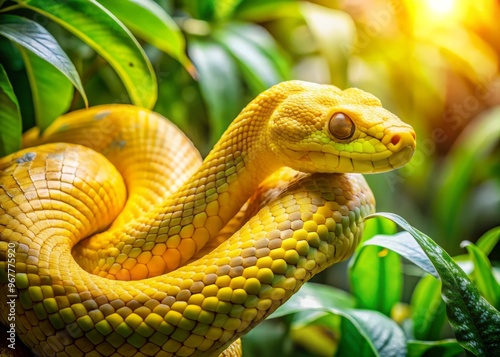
[182, 257]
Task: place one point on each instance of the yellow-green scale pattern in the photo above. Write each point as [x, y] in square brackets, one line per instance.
[171, 233]
[152, 220]
[196, 311]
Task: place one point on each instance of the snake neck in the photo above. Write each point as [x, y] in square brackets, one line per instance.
[232, 171]
[191, 217]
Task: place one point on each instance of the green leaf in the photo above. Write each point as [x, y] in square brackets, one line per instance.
[40, 42]
[380, 334]
[377, 225]
[10, 117]
[316, 296]
[404, 244]
[475, 322]
[210, 10]
[149, 21]
[353, 343]
[489, 240]
[376, 278]
[259, 70]
[101, 30]
[482, 275]
[442, 348]
[269, 339]
[51, 91]
[262, 40]
[224, 8]
[268, 10]
[427, 309]
[219, 84]
[480, 138]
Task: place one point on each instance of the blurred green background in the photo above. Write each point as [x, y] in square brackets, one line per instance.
[434, 63]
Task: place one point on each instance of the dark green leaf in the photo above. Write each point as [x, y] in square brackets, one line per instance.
[376, 278]
[219, 83]
[101, 30]
[475, 322]
[51, 91]
[427, 309]
[270, 339]
[442, 348]
[482, 275]
[10, 117]
[352, 343]
[147, 20]
[381, 334]
[40, 42]
[404, 244]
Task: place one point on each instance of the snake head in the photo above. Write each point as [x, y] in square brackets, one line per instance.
[320, 128]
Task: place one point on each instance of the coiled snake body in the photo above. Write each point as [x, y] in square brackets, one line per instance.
[174, 265]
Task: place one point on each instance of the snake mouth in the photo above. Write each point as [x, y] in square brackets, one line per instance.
[394, 161]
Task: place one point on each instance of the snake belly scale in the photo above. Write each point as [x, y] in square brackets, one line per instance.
[119, 229]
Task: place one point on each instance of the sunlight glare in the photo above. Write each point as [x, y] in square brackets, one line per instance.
[441, 7]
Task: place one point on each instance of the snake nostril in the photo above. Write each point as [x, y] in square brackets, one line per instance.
[395, 139]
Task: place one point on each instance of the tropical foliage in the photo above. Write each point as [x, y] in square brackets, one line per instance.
[434, 63]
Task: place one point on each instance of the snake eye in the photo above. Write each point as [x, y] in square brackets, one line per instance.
[341, 126]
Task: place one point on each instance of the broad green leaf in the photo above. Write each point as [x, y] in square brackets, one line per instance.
[489, 240]
[40, 42]
[404, 244]
[51, 91]
[427, 309]
[475, 322]
[10, 117]
[442, 348]
[352, 343]
[376, 279]
[482, 275]
[101, 30]
[381, 334]
[335, 32]
[219, 84]
[257, 68]
[149, 21]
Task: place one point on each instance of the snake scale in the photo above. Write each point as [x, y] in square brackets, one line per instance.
[122, 242]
